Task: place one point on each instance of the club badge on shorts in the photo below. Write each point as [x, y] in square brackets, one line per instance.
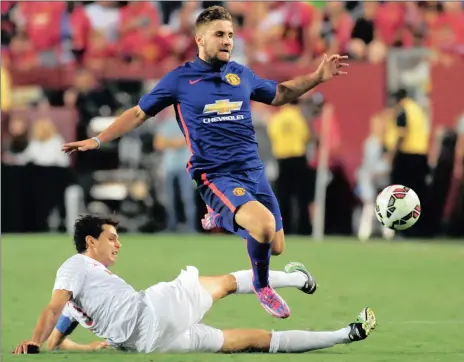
[233, 79]
[239, 191]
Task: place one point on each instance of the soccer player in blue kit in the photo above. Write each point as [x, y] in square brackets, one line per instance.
[211, 96]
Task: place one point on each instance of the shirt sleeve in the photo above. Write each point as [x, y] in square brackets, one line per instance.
[262, 90]
[161, 96]
[70, 276]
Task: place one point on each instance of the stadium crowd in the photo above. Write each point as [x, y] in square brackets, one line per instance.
[141, 33]
[86, 40]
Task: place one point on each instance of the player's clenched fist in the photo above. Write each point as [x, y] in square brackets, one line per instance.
[86, 145]
[27, 347]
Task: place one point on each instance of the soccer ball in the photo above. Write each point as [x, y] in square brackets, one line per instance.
[397, 207]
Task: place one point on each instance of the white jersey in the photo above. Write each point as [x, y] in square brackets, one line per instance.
[101, 301]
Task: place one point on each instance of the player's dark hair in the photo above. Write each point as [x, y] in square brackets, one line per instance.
[92, 225]
[211, 14]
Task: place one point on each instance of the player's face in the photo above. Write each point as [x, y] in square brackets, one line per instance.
[106, 248]
[216, 41]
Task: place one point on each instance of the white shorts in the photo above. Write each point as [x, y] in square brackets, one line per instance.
[178, 307]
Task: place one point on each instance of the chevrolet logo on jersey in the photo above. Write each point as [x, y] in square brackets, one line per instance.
[221, 107]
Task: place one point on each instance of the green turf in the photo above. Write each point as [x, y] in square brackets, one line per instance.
[416, 290]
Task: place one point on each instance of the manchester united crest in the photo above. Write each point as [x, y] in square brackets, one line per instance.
[233, 79]
[239, 191]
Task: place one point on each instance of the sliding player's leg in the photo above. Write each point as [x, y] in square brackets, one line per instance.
[179, 304]
[233, 199]
[297, 341]
[202, 338]
[295, 275]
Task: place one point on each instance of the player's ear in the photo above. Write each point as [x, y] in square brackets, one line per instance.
[199, 39]
[90, 241]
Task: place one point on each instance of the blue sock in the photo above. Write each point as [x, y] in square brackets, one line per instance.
[260, 256]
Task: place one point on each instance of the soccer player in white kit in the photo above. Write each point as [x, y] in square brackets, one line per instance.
[165, 317]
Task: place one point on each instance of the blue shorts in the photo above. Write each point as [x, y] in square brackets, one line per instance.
[225, 193]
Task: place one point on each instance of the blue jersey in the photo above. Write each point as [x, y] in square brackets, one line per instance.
[213, 111]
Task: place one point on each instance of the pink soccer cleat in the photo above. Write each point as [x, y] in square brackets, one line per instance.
[273, 302]
[209, 220]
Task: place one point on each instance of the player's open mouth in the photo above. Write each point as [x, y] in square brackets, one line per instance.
[224, 51]
[114, 253]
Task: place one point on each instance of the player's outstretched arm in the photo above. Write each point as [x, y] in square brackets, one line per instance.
[60, 341]
[46, 323]
[126, 122]
[292, 89]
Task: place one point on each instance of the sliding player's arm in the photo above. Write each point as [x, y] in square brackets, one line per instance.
[292, 89]
[46, 322]
[150, 104]
[69, 282]
[59, 339]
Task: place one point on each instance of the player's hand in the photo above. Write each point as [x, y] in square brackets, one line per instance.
[27, 347]
[331, 67]
[86, 145]
[94, 346]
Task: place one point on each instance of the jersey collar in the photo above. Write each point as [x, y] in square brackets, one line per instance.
[208, 66]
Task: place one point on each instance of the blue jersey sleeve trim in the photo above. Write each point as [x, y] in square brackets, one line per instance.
[66, 325]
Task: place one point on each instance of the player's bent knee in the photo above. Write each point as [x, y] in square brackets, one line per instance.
[267, 231]
[219, 286]
[257, 220]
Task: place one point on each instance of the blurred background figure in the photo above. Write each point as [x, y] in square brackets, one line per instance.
[289, 135]
[15, 148]
[374, 173]
[170, 140]
[408, 133]
[68, 68]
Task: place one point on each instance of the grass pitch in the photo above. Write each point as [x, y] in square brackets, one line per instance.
[415, 288]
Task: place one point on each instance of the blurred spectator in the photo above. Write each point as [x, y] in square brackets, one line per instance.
[40, 21]
[374, 173]
[459, 150]
[364, 45]
[289, 135]
[139, 31]
[98, 52]
[6, 90]
[44, 148]
[48, 164]
[21, 53]
[325, 132]
[408, 144]
[15, 146]
[332, 33]
[104, 17]
[91, 99]
[8, 25]
[170, 140]
[181, 29]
